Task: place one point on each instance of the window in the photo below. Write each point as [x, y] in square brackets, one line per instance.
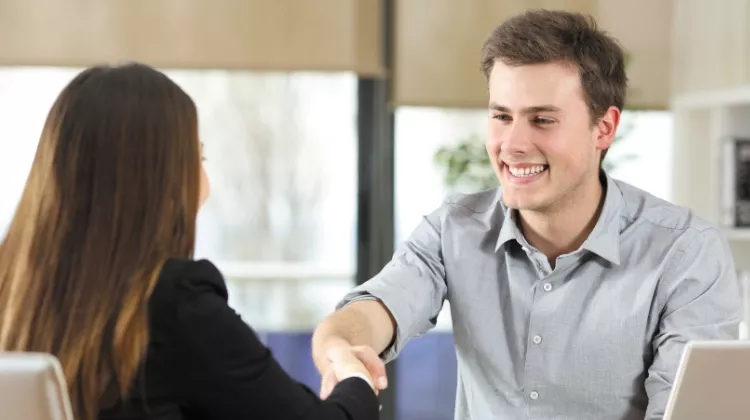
[26, 96]
[643, 157]
[281, 157]
[281, 219]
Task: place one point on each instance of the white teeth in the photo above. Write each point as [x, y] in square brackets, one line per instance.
[527, 171]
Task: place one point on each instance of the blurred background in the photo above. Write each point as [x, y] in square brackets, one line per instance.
[332, 126]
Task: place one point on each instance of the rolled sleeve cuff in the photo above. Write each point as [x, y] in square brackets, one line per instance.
[398, 308]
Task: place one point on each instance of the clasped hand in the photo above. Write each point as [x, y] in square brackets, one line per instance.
[349, 361]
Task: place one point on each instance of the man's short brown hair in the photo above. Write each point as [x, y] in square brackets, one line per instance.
[542, 36]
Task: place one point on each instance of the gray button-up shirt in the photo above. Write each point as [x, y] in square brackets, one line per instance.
[598, 337]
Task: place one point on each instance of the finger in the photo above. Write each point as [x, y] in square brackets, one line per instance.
[327, 383]
[325, 388]
[373, 363]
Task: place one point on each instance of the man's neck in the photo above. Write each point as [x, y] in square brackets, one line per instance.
[564, 228]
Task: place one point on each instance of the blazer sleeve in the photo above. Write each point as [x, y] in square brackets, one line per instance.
[229, 374]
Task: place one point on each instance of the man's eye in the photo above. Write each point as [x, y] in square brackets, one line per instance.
[542, 121]
[502, 117]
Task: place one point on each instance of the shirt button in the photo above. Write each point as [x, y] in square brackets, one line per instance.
[547, 287]
[533, 395]
[537, 339]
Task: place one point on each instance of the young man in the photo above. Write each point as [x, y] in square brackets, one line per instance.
[572, 294]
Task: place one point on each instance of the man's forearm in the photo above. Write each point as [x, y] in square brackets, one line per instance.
[362, 323]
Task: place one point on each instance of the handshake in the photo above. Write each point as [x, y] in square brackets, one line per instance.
[343, 361]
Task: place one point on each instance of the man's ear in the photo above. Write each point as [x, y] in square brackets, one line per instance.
[607, 128]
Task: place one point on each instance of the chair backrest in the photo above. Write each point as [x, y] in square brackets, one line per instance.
[32, 387]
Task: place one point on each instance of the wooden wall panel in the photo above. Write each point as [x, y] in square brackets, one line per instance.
[711, 45]
[438, 44]
[644, 29]
[232, 34]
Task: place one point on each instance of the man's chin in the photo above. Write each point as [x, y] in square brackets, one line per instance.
[518, 203]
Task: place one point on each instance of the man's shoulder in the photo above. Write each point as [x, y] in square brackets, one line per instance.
[644, 209]
[483, 201]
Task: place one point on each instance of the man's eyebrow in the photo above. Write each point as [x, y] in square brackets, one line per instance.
[528, 110]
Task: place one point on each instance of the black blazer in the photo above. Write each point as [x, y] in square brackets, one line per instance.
[204, 362]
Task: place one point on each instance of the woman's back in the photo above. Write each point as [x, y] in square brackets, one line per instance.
[204, 362]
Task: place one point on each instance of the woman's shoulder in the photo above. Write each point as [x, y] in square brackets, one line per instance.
[182, 279]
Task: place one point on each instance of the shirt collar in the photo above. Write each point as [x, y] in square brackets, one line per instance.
[604, 239]
[509, 229]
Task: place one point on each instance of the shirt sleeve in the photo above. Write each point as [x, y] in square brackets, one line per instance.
[227, 373]
[412, 285]
[702, 302]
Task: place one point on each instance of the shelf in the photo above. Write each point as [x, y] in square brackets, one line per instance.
[737, 234]
[709, 99]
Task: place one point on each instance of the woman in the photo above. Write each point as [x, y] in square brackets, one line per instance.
[96, 270]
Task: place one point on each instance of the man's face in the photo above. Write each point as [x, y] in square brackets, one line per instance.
[541, 142]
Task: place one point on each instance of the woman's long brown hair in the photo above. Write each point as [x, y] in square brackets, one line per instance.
[112, 193]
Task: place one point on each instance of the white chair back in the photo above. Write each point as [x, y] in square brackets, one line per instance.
[32, 387]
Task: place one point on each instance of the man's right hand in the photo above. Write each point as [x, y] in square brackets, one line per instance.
[371, 365]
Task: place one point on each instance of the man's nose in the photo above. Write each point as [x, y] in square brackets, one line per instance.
[516, 139]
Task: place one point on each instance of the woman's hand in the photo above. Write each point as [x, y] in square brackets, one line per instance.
[347, 363]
